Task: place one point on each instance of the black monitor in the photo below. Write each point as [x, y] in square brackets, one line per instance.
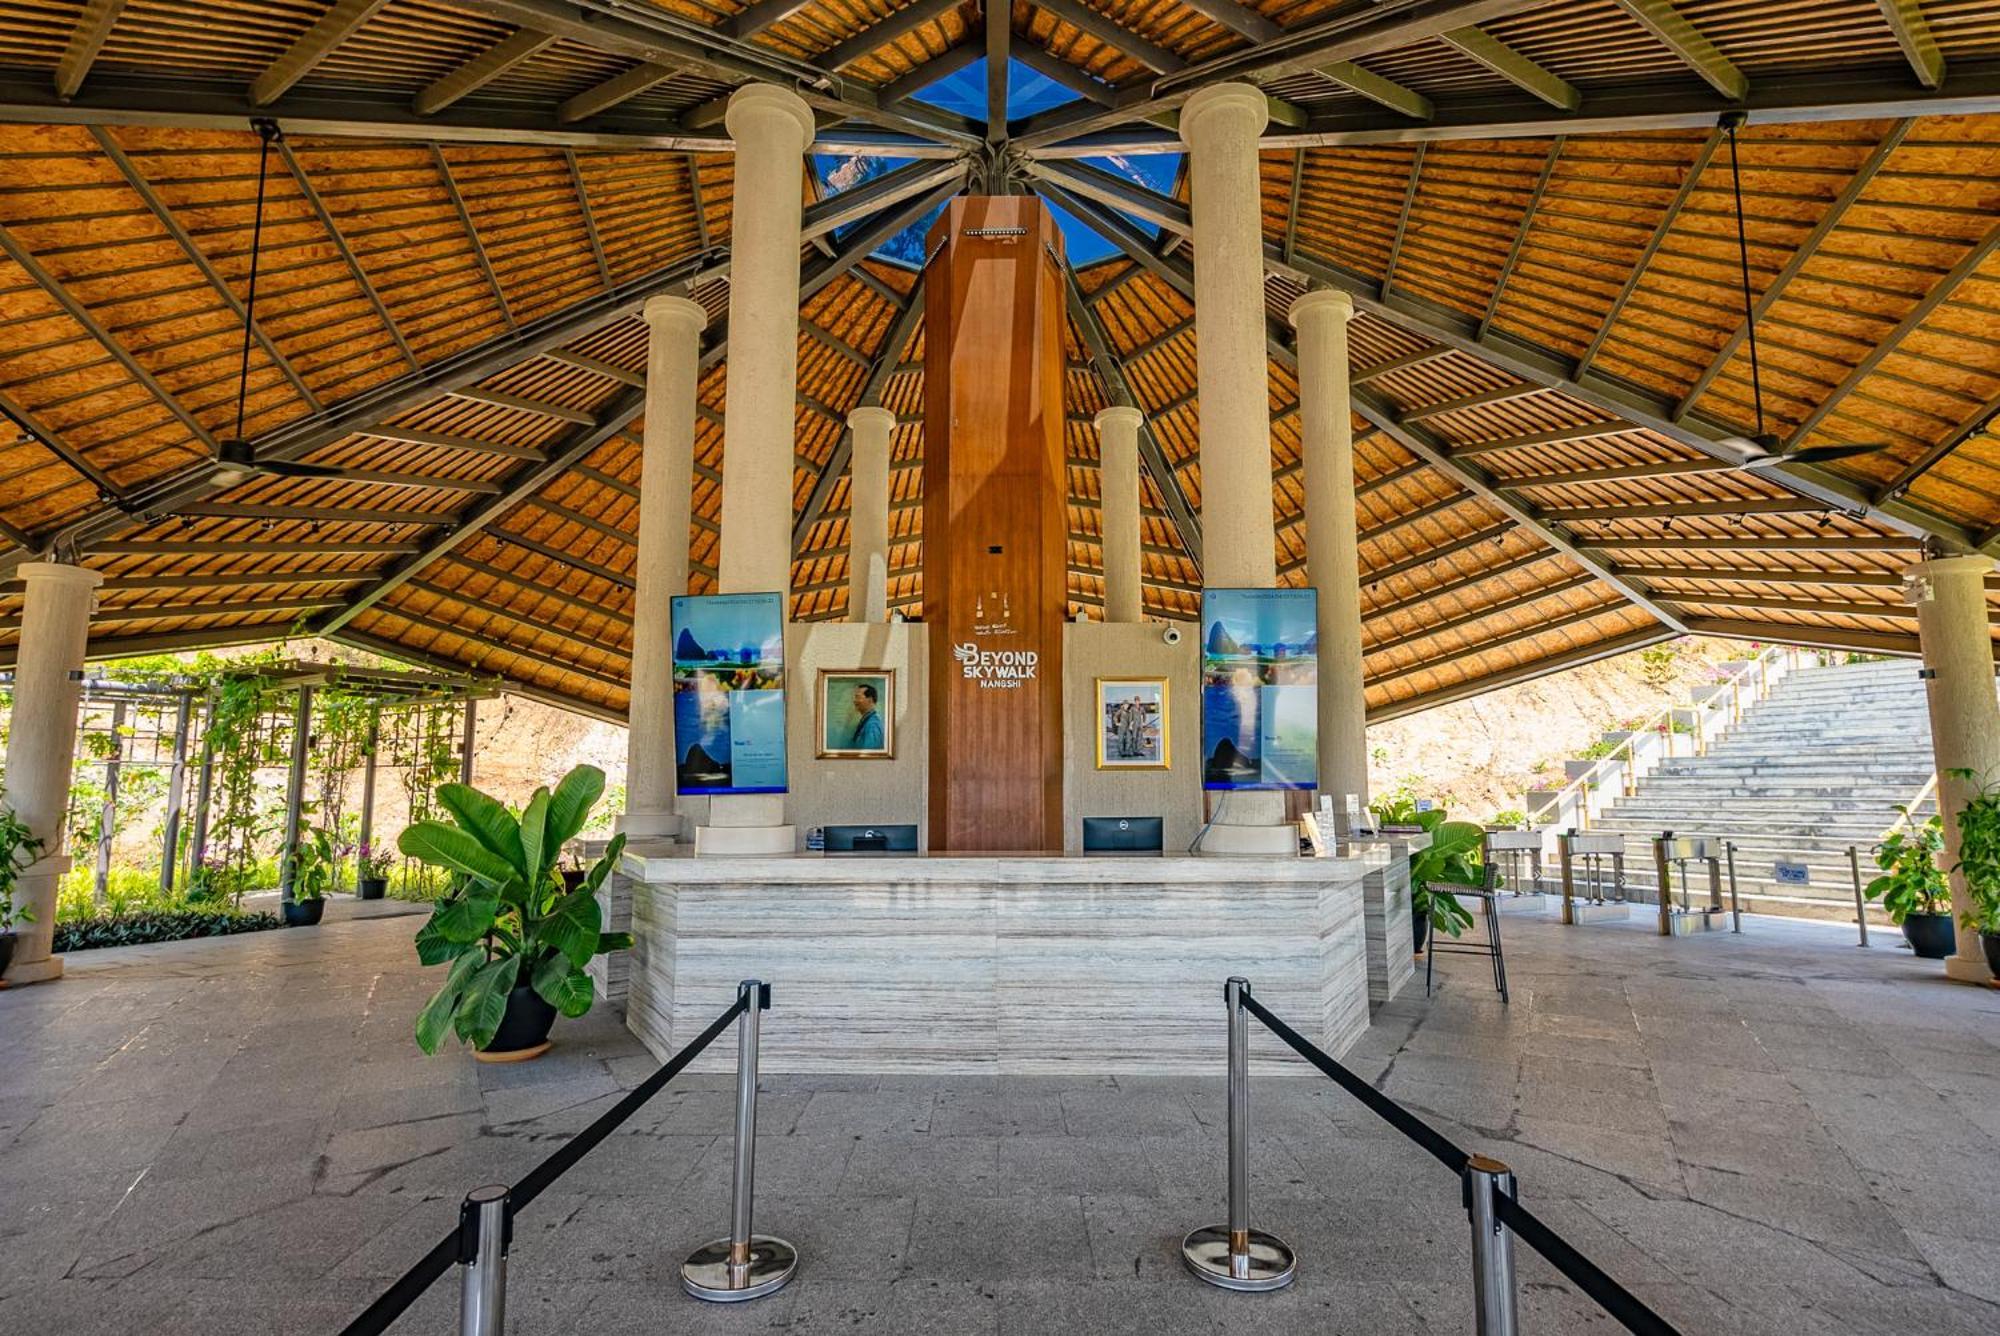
[1123, 835]
[900, 839]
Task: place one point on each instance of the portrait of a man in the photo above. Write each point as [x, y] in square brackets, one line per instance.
[857, 716]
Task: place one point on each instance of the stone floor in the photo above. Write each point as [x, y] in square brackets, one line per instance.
[1772, 1132]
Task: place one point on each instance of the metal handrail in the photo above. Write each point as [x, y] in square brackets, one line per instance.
[1908, 815]
[1589, 778]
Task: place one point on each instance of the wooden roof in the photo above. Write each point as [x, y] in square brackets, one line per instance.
[1530, 200]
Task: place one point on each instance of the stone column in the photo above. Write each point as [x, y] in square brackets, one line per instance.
[1965, 714]
[868, 514]
[666, 482]
[55, 627]
[1118, 501]
[1239, 536]
[1326, 421]
[771, 127]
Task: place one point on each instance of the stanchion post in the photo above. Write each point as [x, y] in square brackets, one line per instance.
[1860, 901]
[1567, 853]
[744, 1265]
[1492, 1248]
[1666, 887]
[1234, 1256]
[1735, 905]
[485, 1226]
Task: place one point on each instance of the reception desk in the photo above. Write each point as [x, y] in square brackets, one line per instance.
[997, 964]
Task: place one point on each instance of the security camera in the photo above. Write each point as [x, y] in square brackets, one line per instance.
[1172, 635]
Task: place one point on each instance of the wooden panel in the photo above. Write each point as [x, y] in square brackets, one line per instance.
[995, 576]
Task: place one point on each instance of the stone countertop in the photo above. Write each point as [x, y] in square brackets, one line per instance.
[679, 866]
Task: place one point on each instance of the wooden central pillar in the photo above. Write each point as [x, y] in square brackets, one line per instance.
[995, 530]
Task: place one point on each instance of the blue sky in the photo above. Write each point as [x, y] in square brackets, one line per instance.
[1028, 92]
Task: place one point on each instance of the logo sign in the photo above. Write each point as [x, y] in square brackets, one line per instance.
[1787, 873]
[1001, 669]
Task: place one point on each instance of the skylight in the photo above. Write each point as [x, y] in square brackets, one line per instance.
[1028, 92]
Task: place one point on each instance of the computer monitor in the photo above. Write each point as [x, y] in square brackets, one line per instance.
[894, 839]
[1123, 835]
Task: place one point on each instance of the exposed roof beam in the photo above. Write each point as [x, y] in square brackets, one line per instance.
[1589, 431]
[118, 584]
[1741, 542]
[1739, 575]
[534, 656]
[392, 649]
[836, 211]
[258, 510]
[884, 31]
[761, 15]
[1811, 637]
[386, 431]
[950, 61]
[326, 221]
[1913, 33]
[1525, 672]
[472, 232]
[862, 242]
[1064, 73]
[887, 358]
[1479, 575]
[208, 547]
[1671, 468]
[1534, 207]
[1385, 92]
[1087, 20]
[1940, 292]
[595, 366]
[335, 26]
[618, 88]
[70, 456]
[1689, 183]
[157, 612]
[1669, 510]
[1499, 394]
[1348, 36]
[1665, 22]
[1500, 642]
[1478, 45]
[86, 39]
[1238, 19]
[1430, 354]
[1830, 220]
[1403, 218]
[1429, 626]
[523, 44]
[1981, 419]
[1798, 606]
[589, 218]
[997, 25]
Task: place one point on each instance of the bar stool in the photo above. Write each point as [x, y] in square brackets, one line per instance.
[1489, 909]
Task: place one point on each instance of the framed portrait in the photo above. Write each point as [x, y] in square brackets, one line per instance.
[857, 714]
[1132, 726]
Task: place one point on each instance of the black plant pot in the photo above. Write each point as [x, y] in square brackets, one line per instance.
[371, 888]
[1989, 940]
[524, 1027]
[1930, 935]
[7, 950]
[572, 879]
[304, 913]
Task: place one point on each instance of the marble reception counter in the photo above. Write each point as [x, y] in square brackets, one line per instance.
[996, 964]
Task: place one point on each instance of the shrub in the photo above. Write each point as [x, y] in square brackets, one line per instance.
[157, 926]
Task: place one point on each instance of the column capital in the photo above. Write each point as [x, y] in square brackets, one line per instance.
[665, 313]
[60, 572]
[871, 415]
[1119, 415]
[760, 103]
[1247, 103]
[1971, 564]
[1320, 303]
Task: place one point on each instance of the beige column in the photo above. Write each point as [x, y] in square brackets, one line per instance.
[55, 628]
[1965, 713]
[1239, 537]
[1118, 502]
[771, 127]
[1326, 423]
[666, 482]
[868, 514]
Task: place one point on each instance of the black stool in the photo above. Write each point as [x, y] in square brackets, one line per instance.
[1489, 909]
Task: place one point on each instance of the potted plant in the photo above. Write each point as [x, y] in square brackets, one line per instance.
[308, 870]
[371, 872]
[1453, 858]
[516, 941]
[18, 849]
[1912, 888]
[1979, 864]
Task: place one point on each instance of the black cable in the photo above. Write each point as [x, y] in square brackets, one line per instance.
[380, 1315]
[266, 132]
[1398, 1117]
[1743, 261]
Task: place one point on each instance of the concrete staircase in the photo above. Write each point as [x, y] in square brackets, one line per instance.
[1815, 767]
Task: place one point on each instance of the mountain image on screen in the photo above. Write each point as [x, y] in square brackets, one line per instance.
[1227, 763]
[687, 649]
[1220, 642]
[699, 767]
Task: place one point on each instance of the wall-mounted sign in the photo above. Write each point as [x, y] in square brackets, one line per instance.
[1787, 873]
[996, 668]
[1259, 689]
[729, 693]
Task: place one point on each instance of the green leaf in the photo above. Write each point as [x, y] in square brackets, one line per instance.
[467, 918]
[563, 986]
[485, 1003]
[486, 820]
[436, 1017]
[536, 855]
[449, 847]
[614, 941]
[434, 946]
[570, 804]
[572, 926]
[605, 864]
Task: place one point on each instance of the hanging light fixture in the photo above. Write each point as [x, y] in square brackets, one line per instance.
[1763, 450]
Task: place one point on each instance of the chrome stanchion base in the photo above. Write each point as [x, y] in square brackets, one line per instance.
[1268, 1263]
[708, 1274]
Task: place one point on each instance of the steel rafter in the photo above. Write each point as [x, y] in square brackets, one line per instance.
[342, 19]
[361, 279]
[1526, 672]
[86, 39]
[1666, 23]
[522, 45]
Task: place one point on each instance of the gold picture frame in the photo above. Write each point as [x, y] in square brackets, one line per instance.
[1134, 723]
[843, 713]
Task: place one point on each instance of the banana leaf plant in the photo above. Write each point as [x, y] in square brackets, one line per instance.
[1453, 859]
[509, 920]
